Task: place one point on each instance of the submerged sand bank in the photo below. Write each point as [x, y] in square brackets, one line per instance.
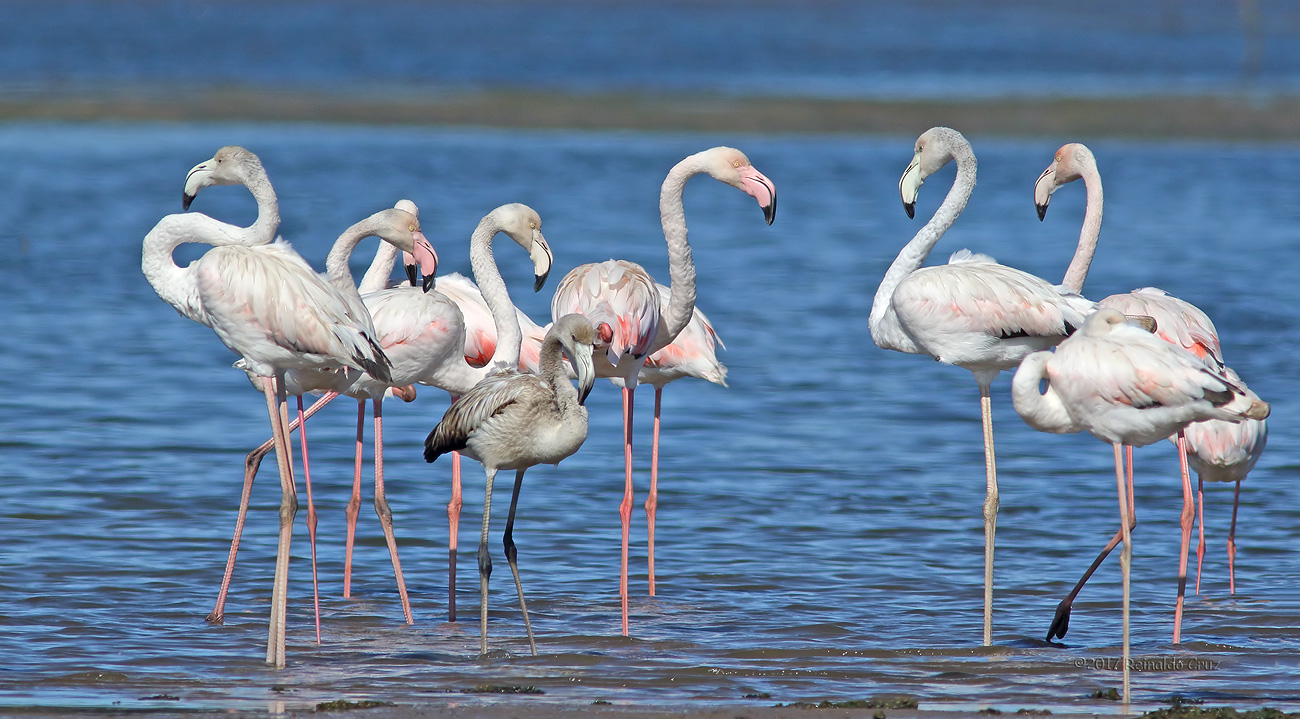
[1220, 117]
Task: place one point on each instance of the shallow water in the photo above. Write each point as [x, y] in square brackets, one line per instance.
[819, 531]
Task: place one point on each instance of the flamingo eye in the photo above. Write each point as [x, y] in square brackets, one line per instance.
[532, 225]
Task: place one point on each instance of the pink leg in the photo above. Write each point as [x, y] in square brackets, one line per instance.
[1185, 520]
[386, 514]
[1200, 520]
[251, 464]
[311, 515]
[354, 503]
[1232, 542]
[652, 501]
[278, 409]
[625, 509]
[453, 530]
[1125, 561]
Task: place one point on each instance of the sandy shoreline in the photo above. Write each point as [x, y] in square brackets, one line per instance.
[1221, 117]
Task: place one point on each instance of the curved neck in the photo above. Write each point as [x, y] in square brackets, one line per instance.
[551, 368]
[177, 285]
[495, 294]
[381, 268]
[1044, 411]
[681, 268]
[885, 330]
[336, 263]
[1077, 272]
[268, 209]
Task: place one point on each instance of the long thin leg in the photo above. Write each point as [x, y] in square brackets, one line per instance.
[1200, 521]
[652, 500]
[384, 512]
[511, 557]
[251, 464]
[990, 509]
[625, 509]
[354, 502]
[276, 406]
[484, 562]
[453, 534]
[1185, 519]
[1125, 560]
[1061, 622]
[311, 515]
[1232, 541]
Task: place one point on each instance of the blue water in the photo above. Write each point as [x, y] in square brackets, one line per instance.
[824, 48]
[819, 530]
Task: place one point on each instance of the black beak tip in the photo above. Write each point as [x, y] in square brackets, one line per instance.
[539, 281]
[186, 199]
[910, 209]
[769, 211]
[1042, 211]
[412, 274]
[429, 281]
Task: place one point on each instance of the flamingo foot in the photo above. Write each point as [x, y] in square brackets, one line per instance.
[1061, 622]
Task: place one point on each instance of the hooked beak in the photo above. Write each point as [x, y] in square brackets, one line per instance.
[909, 185]
[756, 185]
[422, 254]
[412, 270]
[195, 180]
[540, 252]
[586, 371]
[1044, 186]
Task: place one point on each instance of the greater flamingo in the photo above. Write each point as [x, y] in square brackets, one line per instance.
[516, 420]
[692, 354]
[424, 333]
[1126, 387]
[1176, 321]
[972, 312]
[623, 296]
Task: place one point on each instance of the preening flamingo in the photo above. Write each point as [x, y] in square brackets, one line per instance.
[1124, 386]
[623, 296]
[692, 354]
[1176, 321]
[972, 312]
[516, 420]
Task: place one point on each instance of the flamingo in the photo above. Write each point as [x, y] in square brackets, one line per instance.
[1176, 321]
[623, 296]
[516, 420]
[423, 333]
[692, 354]
[972, 312]
[1126, 387]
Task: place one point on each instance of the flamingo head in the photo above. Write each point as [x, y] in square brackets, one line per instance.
[522, 224]
[932, 151]
[231, 165]
[578, 337]
[401, 228]
[1069, 164]
[730, 165]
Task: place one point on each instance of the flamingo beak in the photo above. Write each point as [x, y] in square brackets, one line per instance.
[540, 252]
[422, 254]
[195, 180]
[585, 370]
[756, 185]
[909, 185]
[1044, 186]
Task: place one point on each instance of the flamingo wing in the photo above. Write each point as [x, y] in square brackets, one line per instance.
[615, 292]
[475, 409]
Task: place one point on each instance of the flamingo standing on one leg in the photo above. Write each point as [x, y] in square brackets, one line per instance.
[972, 312]
[623, 296]
[516, 420]
[692, 354]
[1126, 387]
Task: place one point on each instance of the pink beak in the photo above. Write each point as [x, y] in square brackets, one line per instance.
[760, 188]
[424, 256]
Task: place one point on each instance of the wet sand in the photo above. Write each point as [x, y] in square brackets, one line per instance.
[1221, 117]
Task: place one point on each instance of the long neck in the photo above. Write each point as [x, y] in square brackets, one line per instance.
[1077, 272]
[883, 322]
[268, 209]
[177, 285]
[551, 367]
[681, 268]
[336, 263]
[1044, 411]
[376, 277]
[495, 294]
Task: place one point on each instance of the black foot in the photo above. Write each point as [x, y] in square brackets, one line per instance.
[1061, 623]
[215, 618]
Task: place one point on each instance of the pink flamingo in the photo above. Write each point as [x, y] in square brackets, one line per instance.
[623, 296]
[1178, 322]
[972, 312]
[692, 354]
[1126, 387]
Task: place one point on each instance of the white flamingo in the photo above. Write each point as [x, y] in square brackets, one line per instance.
[516, 420]
[1228, 446]
[622, 296]
[1126, 387]
[972, 312]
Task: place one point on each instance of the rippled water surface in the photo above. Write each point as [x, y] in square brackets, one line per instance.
[819, 532]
